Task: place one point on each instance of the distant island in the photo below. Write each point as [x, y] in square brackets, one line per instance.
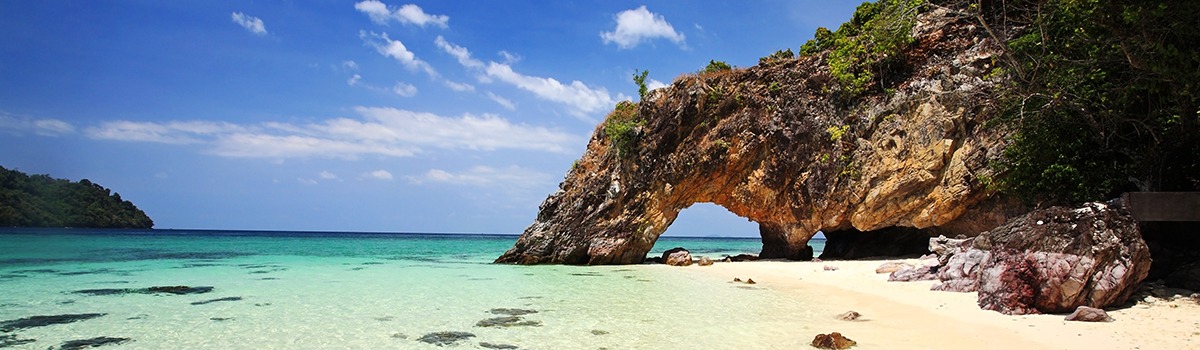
[43, 201]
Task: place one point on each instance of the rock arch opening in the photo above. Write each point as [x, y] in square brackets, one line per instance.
[710, 220]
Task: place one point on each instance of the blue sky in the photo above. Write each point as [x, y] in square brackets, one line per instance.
[448, 116]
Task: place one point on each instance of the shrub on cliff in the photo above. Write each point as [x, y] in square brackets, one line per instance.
[868, 48]
[623, 128]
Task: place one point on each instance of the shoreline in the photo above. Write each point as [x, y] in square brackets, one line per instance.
[907, 315]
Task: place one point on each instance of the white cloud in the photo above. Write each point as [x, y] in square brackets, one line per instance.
[326, 175]
[306, 181]
[350, 64]
[655, 84]
[175, 132]
[42, 127]
[252, 24]
[377, 11]
[461, 53]
[509, 58]
[509, 105]
[354, 80]
[484, 176]
[379, 175]
[380, 13]
[460, 87]
[576, 95]
[379, 131]
[404, 89]
[638, 25]
[396, 49]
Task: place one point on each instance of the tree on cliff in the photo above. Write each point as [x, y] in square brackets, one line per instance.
[42, 201]
[1104, 97]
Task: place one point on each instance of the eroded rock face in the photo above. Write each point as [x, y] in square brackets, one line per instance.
[677, 257]
[772, 144]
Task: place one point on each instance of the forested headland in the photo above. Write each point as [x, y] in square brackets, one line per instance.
[43, 201]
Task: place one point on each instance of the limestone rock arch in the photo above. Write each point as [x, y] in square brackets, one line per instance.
[772, 144]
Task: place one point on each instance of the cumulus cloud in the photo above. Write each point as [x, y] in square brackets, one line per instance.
[396, 50]
[354, 80]
[379, 131]
[484, 176]
[638, 25]
[504, 102]
[655, 84]
[252, 24]
[404, 89]
[411, 14]
[42, 127]
[378, 175]
[460, 53]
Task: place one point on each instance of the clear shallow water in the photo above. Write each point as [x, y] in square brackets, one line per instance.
[347, 290]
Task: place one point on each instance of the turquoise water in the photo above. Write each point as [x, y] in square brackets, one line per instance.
[368, 291]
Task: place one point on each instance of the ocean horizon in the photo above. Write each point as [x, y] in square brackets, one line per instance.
[149, 289]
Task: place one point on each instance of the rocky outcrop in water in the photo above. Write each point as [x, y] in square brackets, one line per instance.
[773, 143]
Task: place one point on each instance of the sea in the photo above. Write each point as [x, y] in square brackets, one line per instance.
[203, 289]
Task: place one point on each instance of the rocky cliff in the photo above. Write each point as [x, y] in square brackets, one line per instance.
[782, 145]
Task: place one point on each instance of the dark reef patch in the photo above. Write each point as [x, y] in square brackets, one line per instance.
[497, 346]
[512, 312]
[507, 321]
[9, 340]
[210, 301]
[445, 338]
[92, 342]
[40, 321]
[176, 290]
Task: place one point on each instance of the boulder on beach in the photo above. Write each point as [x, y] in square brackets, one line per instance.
[1089, 314]
[849, 315]
[677, 257]
[833, 340]
[704, 261]
[891, 266]
[1056, 259]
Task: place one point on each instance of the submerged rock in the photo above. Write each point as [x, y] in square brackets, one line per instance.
[1089, 314]
[445, 338]
[833, 340]
[497, 346]
[9, 340]
[40, 321]
[507, 321]
[512, 312]
[92, 342]
[216, 300]
[175, 290]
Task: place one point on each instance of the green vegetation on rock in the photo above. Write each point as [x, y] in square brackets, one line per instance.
[623, 127]
[715, 66]
[1104, 98]
[42, 201]
[869, 47]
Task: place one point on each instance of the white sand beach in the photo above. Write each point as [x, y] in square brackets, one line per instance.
[907, 315]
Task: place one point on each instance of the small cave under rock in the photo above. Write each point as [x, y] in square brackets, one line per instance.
[1173, 245]
[888, 242]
